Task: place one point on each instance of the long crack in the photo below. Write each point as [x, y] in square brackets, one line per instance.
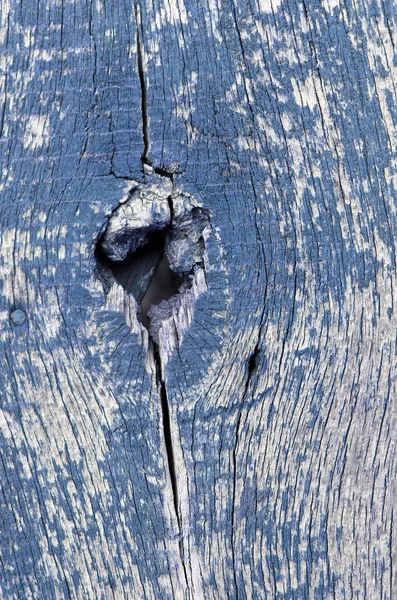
[156, 227]
[166, 426]
[145, 119]
[153, 346]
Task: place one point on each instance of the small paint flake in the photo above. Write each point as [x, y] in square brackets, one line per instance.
[40, 233]
[36, 132]
[269, 6]
[43, 55]
[331, 5]
[79, 249]
[5, 430]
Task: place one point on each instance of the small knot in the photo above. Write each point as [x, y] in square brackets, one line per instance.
[18, 316]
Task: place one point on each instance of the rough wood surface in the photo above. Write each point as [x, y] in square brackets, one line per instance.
[249, 450]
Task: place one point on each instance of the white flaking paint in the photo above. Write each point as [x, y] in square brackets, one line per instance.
[269, 6]
[36, 133]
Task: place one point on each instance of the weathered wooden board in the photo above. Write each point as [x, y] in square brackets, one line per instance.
[248, 449]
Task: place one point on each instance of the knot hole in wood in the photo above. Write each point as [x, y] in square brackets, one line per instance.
[154, 246]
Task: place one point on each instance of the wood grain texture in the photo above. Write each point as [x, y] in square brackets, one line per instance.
[279, 118]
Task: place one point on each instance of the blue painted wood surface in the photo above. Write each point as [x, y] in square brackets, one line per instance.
[278, 117]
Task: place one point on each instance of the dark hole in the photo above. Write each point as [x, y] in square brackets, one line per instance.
[145, 273]
[165, 283]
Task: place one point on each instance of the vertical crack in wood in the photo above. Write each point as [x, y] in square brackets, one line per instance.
[232, 540]
[251, 367]
[166, 424]
[153, 346]
[169, 199]
[145, 129]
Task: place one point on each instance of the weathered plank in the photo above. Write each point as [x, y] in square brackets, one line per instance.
[245, 448]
